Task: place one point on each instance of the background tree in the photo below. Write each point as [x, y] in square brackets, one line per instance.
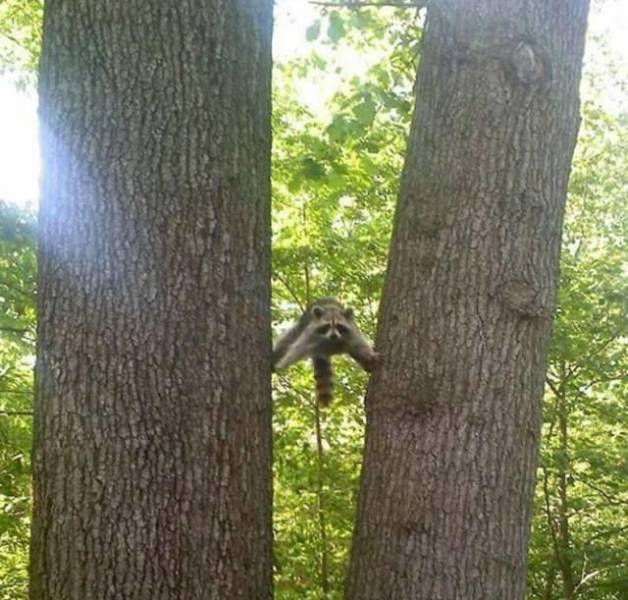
[17, 346]
[152, 413]
[453, 417]
[579, 537]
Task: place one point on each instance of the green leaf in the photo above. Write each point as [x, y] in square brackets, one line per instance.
[365, 112]
[313, 31]
[339, 128]
[336, 28]
[311, 168]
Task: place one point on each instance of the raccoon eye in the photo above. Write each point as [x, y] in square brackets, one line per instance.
[342, 329]
[323, 329]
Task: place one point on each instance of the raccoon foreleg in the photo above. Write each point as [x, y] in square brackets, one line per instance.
[364, 355]
[289, 351]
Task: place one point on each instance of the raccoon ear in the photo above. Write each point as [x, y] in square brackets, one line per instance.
[348, 312]
[317, 311]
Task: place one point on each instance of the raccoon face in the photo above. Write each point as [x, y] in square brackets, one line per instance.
[331, 325]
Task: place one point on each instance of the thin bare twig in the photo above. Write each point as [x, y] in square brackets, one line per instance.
[557, 396]
[18, 330]
[13, 39]
[320, 476]
[613, 500]
[590, 384]
[548, 514]
[613, 531]
[290, 289]
[320, 466]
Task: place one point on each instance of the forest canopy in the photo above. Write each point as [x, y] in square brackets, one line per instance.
[342, 103]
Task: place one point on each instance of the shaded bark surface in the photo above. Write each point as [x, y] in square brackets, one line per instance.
[453, 417]
[152, 457]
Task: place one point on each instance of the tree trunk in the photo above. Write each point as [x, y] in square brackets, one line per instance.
[453, 417]
[152, 458]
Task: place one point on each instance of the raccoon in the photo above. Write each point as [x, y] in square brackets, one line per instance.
[324, 329]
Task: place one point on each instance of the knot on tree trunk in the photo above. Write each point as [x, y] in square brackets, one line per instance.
[528, 64]
[523, 298]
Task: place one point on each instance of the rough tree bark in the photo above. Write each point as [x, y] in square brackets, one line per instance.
[453, 417]
[152, 457]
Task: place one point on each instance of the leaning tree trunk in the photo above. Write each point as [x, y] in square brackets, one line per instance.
[152, 459]
[453, 417]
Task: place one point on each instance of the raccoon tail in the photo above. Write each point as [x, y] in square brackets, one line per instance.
[324, 377]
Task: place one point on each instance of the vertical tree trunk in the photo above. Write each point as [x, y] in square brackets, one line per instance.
[152, 459]
[453, 416]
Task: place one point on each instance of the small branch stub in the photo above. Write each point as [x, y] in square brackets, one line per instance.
[522, 297]
[527, 63]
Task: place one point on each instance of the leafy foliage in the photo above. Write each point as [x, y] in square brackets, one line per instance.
[20, 37]
[579, 545]
[17, 336]
[337, 159]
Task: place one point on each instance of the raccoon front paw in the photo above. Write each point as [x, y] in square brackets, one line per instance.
[374, 361]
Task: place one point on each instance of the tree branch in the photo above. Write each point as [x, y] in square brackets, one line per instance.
[612, 500]
[291, 290]
[13, 39]
[320, 500]
[18, 330]
[557, 396]
[550, 520]
[614, 531]
[590, 384]
[552, 386]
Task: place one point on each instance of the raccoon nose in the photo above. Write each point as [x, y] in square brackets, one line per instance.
[333, 335]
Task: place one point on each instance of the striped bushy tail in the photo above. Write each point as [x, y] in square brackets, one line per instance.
[324, 377]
